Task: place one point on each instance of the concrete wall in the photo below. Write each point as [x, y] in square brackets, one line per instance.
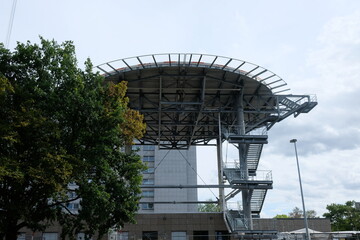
[164, 224]
[175, 169]
[292, 224]
[212, 223]
[171, 167]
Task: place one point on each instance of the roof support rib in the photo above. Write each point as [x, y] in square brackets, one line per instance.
[159, 117]
[180, 105]
[202, 101]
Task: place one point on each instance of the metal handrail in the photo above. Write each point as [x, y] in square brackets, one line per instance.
[235, 130]
[260, 175]
[251, 70]
[299, 99]
[236, 223]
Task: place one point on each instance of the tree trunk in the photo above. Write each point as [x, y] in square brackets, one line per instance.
[12, 229]
[11, 235]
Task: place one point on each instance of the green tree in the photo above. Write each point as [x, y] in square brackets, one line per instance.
[343, 217]
[297, 213]
[209, 207]
[311, 214]
[60, 125]
[281, 216]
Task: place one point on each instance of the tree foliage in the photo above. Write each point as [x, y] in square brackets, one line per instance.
[60, 125]
[298, 213]
[209, 207]
[281, 216]
[311, 213]
[343, 217]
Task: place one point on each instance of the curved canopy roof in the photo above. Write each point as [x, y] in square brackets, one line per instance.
[182, 96]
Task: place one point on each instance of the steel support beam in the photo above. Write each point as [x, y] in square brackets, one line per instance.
[179, 202]
[240, 186]
[187, 186]
[220, 167]
[246, 198]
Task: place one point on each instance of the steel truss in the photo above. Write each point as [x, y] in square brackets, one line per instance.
[181, 95]
[190, 99]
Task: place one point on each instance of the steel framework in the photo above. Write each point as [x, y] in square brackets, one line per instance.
[190, 99]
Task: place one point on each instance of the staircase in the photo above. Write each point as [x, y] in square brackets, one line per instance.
[247, 179]
[258, 184]
[289, 103]
[253, 156]
[236, 220]
[257, 200]
[254, 181]
[293, 104]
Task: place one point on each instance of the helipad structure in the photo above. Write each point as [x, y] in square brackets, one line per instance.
[190, 99]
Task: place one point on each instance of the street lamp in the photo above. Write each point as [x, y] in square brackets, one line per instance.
[302, 195]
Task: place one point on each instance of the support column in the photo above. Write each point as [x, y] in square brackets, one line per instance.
[220, 167]
[246, 195]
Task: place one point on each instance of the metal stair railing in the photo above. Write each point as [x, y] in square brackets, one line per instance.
[235, 218]
[289, 103]
[254, 141]
[296, 104]
[257, 200]
[253, 156]
[235, 131]
[236, 176]
[233, 173]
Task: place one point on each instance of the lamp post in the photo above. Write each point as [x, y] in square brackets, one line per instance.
[302, 195]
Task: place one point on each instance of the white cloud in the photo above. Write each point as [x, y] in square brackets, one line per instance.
[337, 60]
[328, 136]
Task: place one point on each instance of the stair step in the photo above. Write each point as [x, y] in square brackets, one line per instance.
[257, 200]
[289, 103]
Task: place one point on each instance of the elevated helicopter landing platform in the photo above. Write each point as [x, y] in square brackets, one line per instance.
[190, 99]
[183, 95]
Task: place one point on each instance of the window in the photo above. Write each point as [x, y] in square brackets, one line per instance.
[49, 236]
[135, 147]
[150, 235]
[123, 236]
[149, 148]
[21, 236]
[222, 235]
[148, 181]
[148, 158]
[149, 170]
[147, 206]
[73, 206]
[147, 193]
[178, 235]
[201, 235]
[81, 236]
[72, 194]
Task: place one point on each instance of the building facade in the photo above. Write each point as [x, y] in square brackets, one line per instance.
[198, 226]
[211, 226]
[167, 167]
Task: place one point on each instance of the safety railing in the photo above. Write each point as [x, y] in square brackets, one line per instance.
[234, 173]
[299, 99]
[235, 217]
[235, 130]
[253, 71]
[235, 206]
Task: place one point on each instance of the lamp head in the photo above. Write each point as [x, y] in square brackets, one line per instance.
[293, 140]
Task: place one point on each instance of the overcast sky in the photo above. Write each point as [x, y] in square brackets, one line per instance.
[313, 45]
